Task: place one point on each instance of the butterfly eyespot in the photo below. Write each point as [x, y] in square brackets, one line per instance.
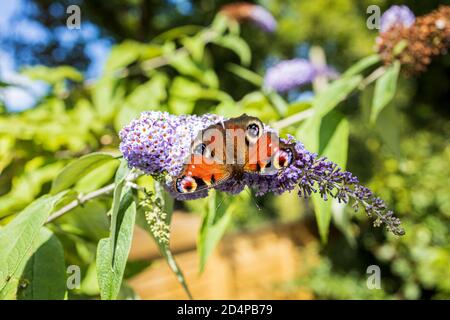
[186, 184]
[282, 159]
[253, 132]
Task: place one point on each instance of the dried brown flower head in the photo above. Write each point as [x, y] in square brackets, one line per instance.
[415, 46]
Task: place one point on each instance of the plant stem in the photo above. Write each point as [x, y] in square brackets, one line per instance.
[81, 200]
[372, 77]
[283, 123]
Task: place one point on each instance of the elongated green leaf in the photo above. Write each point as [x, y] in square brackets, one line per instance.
[333, 144]
[53, 75]
[44, 277]
[110, 271]
[237, 45]
[215, 221]
[196, 46]
[77, 169]
[361, 65]
[122, 199]
[278, 103]
[245, 74]
[122, 55]
[17, 240]
[384, 92]
[336, 92]
[325, 102]
[389, 129]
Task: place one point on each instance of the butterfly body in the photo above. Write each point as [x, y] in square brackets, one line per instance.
[229, 149]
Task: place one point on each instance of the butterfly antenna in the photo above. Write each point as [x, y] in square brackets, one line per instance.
[253, 199]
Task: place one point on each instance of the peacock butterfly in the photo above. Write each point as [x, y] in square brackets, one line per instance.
[228, 149]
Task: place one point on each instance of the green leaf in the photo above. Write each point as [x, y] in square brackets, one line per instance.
[17, 240]
[122, 199]
[389, 129]
[220, 23]
[145, 97]
[28, 185]
[107, 97]
[89, 221]
[257, 104]
[237, 45]
[335, 93]
[122, 55]
[196, 46]
[215, 221]
[77, 169]
[333, 144]
[53, 75]
[188, 67]
[185, 89]
[44, 277]
[361, 65]
[111, 263]
[308, 133]
[385, 88]
[177, 32]
[245, 74]
[278, 103]
[325, 102]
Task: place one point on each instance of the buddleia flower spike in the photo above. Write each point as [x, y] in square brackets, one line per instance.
[158, 143]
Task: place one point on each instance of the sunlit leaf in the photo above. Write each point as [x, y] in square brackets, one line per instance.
[109, 273]
[245, 74]
[333, 144]
[44, 277]
[112, 252]
[216, 219]
[237, 45]
[362, 64]
[17, 240]
[78, 168]
[335, 93]
[385, 88]
[122, 199]
[53, 75]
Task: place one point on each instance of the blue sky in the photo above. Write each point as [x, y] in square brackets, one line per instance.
[26, 93]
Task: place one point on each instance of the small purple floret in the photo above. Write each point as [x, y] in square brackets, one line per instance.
[397, 16]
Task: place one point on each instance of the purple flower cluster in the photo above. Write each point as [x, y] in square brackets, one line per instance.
[397, 16]
[159, 143]
[290, 74]
[263, 19]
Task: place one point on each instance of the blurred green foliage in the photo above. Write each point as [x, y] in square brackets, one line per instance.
[403, 155]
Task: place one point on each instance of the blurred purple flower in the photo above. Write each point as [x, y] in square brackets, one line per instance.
[244, 11]
[158, 143]
[397, 16]
[263, 19]
[290, 74]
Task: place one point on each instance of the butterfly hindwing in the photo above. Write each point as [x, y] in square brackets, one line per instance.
[199, 174]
